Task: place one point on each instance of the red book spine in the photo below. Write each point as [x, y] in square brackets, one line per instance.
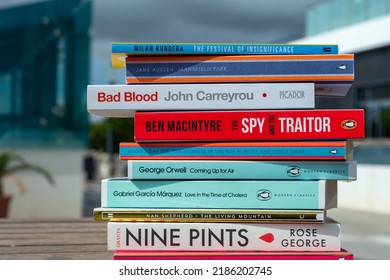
[198, 255]
[297, 257]
[261, 125]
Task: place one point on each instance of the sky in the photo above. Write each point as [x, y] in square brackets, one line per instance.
[244, 21]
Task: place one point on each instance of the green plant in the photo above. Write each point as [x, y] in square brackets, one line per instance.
[12, 163]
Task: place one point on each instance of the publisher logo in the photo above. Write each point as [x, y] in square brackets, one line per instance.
[268, 237]
[342, 67]
[349, 124]
[264, 195]
[292, 94]
[293, 171]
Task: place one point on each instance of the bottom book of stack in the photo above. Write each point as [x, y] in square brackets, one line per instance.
[231, 255]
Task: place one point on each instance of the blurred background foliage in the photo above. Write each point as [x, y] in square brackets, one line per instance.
[105, 135]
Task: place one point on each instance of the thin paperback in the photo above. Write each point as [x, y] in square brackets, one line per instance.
[282, 150]
[131, 214]
[232, 255]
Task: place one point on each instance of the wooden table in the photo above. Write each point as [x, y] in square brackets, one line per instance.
[58, 239]
[367, 235]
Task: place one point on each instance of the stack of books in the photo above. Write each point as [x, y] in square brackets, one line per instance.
[231, 160]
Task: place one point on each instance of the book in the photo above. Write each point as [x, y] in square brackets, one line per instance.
[283, 150]
[232, 255]
[241, 169]
[128, 214]
[248, 125]
[332, 74]
[223, 236]
[123, 100]
[219, 194]
[119, 50]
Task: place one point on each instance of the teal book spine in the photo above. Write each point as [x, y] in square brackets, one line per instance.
[134, 48]
[281, 150]
[221, 194]
[236, 170]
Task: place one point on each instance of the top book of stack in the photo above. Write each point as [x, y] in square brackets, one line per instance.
[120, 50]
[197, 63]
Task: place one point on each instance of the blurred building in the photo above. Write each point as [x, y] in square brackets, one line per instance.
[44, 72]
[44, 61]
[361, 27]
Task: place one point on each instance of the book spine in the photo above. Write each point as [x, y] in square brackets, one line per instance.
[165, 256]
[240, 68]
[331, 150]
[222, 254]
[209, 215]
[219, 194]
[119, 51]
[124, 100]
[223, 236]
[248, 125]
[155, 48]
[255, 170]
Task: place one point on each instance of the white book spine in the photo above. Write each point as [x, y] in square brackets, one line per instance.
[124, 100]
[223, 236]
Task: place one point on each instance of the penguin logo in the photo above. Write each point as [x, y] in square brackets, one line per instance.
[349, 124]
[342, 67]
[293, 171]
[264, 195]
